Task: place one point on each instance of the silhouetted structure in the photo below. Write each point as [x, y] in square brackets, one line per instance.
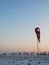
[37, 31]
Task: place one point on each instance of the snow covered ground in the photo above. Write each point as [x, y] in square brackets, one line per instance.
[22, 62]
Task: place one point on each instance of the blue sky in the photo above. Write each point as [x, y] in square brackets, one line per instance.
[18, 18]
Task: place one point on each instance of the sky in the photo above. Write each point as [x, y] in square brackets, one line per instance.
[18, 19]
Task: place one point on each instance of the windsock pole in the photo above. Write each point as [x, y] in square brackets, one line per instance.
[38, 50]
[37, 31]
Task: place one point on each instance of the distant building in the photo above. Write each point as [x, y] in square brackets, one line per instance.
[25, 53]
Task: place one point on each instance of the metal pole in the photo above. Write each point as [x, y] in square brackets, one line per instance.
[38, 60]
[37, 47]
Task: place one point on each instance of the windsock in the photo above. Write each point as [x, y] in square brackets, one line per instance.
[37, 31]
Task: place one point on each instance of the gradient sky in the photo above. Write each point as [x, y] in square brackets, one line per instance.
[18, 19]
